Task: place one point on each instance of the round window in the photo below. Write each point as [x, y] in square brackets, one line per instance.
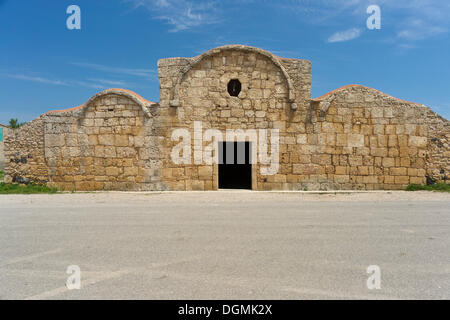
[234, 87]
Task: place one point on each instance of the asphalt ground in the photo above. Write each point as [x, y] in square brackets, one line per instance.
[226, 245]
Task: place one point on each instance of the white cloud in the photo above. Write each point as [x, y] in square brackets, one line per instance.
[418, 30]
[404, 21]
[98, 84]
[35, 79]
[413, 20]
[346, 35]
[319, 9]
[118, 70]
[400, 14]
[180, 14]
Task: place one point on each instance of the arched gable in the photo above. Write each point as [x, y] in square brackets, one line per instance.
[326, 99]
[143, 103]
[195, 61]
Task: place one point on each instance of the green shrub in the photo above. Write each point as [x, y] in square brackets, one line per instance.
[441, 187]
[13, 188]
[2, 175]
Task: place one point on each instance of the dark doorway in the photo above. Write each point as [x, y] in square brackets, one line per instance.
[235, 168]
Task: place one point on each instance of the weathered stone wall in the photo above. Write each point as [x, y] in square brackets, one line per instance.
[24, 153]
[438, 155]
[263, 103]
[2, 156]
[360, 138]
[2, 148]
[107, 145]
[299, 72]
[352, 138]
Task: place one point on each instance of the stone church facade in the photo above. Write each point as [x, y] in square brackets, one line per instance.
[352, 138]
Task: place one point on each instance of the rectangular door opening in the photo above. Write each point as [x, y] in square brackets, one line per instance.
[235, 165]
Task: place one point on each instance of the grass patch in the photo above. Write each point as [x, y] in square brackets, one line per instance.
[440, 187]
[2, 175]
[12, 188]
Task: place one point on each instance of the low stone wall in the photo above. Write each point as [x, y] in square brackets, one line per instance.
[2, 147]
[438, 155]
[2, 156]
[25, 155]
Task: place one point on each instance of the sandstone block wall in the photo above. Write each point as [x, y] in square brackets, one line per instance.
[352, 138]
[2, 148]
[25, 155]
[438, 155]
[263, 103]
[107, 145]
[2, 156]
[360, 138]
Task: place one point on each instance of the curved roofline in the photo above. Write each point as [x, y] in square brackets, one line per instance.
[66, 110]
[142, 102]
[331, 93]
[195, 60]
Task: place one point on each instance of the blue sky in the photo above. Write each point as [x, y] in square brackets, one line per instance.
[44, 66]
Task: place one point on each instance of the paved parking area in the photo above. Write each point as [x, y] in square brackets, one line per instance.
[225, 245]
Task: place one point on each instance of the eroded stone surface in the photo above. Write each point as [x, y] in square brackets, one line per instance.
[353, 138]
[3, 135]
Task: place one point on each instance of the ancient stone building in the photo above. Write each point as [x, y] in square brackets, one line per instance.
[230, 101]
